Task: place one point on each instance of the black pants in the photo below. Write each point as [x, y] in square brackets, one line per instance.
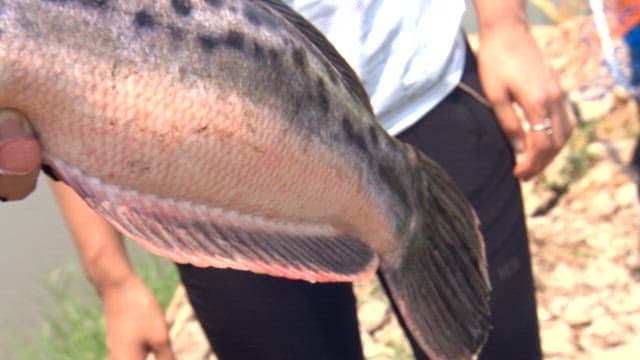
[248, 316]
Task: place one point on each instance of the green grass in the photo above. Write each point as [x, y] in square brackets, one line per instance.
[73, 326]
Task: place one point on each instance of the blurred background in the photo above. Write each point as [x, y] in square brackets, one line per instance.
[582, 213]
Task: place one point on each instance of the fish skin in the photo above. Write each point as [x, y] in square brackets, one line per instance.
[231, 115]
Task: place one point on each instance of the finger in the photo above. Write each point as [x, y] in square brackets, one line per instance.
[13, 125]
[544, 145]
[18, 187]
[567, 121]
[19, 151]
[130, 352]
[19, 156]
[539, 154]
[163, 352]
[510, 123]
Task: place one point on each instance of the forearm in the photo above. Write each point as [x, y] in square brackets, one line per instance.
[134, 320]
[99, 245]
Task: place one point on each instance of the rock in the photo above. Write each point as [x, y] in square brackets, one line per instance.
[603, 332]
[558, 305]
[580, 311]
[602, 206]
[626, 195]
[544, 315]
[626, 302]
[631, 321]
[603, 273]
[628, 351]
[373, 314]
[563, 278]
[557, 339]
[533, 204]
[193, 344]
[600, 239]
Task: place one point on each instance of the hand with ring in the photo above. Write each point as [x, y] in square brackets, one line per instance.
[513, 70]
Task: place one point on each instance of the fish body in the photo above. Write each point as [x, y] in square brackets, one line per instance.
[231, 134]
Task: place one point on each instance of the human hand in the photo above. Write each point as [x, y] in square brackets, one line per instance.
[135, 322]
[514, 70]
[19, 156]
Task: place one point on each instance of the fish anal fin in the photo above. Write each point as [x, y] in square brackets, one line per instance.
[204, 236]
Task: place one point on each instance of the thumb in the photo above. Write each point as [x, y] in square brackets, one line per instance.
[163, 352]
[19, 150]
[511, 125]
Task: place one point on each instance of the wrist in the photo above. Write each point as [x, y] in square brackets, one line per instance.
[107, 282]
[503, 29]
[500, 17]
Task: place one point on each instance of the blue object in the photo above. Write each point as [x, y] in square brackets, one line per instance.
[632, 39]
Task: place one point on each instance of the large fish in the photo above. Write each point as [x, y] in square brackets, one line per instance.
[230, 133]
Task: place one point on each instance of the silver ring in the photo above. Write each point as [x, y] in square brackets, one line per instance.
[546, 126]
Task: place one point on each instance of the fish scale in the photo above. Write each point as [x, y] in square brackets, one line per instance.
[231, 133]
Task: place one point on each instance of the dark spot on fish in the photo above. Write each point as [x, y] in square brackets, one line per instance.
[299, 57]
[214, 3]
[323, 99]
[352, 135]
[258, 51]
[373, 135]
[332, 73]
[208, 43]
[183, 72]
[95, 3]
[258, 17]
[233, 9]
[235, 39]
[274, 56]
[202, 129]
[90, 3]
[3, 199]
[182, 7]
[114, 73]
[143, 19]
[347, 126]
[176, 33]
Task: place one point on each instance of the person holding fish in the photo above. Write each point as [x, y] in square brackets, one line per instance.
[427, 89]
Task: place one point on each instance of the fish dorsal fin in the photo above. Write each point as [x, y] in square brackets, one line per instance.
[348, 77]
[204, 236]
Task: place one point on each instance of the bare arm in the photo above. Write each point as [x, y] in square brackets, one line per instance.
[134, 319]
[514, 70]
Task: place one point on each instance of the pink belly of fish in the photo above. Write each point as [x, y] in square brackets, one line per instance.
[139, 131]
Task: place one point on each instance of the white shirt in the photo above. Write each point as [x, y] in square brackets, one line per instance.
[409, 54]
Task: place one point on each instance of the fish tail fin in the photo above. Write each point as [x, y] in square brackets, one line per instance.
[439, 281]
